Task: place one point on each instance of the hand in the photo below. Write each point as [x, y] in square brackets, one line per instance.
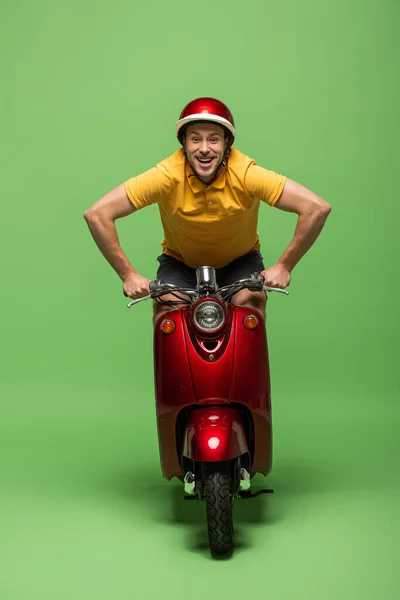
[135, 286]
[277, 276]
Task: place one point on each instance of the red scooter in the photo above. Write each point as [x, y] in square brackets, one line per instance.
[213, 399]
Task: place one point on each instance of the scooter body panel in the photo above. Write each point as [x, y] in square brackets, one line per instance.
[187, 378]
[251, 385]
[173, 389]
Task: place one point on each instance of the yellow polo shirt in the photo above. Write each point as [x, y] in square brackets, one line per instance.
[207, 224]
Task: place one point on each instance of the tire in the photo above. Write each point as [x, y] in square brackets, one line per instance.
[218, 496]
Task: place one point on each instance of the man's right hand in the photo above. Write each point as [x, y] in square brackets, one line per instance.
[135, 286]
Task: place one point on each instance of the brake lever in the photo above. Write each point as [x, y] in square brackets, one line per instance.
[259, 285]
[138, 300]
[266, 288]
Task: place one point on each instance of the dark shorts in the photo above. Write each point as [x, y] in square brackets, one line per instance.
[172, 270]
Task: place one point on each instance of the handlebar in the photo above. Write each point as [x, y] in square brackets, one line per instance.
[159, 288]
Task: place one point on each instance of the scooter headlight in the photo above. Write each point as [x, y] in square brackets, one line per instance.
[209, 316]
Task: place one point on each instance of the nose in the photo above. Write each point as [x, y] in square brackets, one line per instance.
[204, 147]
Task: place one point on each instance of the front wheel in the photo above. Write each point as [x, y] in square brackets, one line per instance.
[217, 492]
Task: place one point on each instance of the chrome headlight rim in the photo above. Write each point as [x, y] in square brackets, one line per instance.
[211, 330]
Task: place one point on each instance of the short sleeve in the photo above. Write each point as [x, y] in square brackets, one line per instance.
[263, 184]
[149, 187]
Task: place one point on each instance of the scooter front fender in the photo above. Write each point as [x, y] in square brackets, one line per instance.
[214, 434]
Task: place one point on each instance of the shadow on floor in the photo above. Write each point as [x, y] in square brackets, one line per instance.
[164, 501]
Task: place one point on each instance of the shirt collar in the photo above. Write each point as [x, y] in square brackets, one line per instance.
[198, 186]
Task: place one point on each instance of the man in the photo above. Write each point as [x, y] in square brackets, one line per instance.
[208, 195]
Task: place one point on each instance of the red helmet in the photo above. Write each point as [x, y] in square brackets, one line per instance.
[206, 109]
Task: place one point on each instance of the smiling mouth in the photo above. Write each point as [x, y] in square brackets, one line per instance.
[205, 162]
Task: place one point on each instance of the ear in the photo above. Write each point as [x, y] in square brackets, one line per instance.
[183, 142]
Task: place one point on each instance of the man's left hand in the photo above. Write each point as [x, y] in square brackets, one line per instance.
[277, 276]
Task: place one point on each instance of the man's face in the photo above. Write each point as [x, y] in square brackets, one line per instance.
[205, 145]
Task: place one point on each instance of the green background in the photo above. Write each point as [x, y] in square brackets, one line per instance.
[91, 93]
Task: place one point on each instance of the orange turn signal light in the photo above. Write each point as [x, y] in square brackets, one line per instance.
[250, 321]
[167, 326]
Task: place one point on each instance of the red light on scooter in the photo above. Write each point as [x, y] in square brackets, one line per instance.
[213, 443]
[168, 326]
[250, 322]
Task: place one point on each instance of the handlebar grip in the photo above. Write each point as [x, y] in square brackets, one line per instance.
[152, 286]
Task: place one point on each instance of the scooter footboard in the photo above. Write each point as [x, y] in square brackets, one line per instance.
[214, 434]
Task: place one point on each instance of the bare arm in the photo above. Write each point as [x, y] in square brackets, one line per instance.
[100, 219]
[312, 213]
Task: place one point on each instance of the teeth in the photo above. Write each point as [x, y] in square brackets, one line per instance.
[204, 160]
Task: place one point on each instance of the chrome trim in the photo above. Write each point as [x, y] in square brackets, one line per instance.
[198, 309]
[206, 276]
